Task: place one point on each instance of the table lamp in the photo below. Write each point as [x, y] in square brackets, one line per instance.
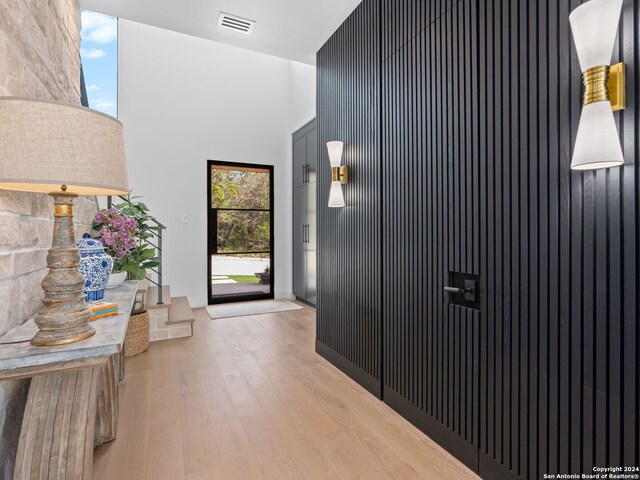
[66, 151]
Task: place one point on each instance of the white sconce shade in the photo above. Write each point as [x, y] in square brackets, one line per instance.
[336, 197]
[339, 175]
[595, 25]
[335, 153]
[597, 143]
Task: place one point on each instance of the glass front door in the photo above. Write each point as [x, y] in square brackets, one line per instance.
[240, 203]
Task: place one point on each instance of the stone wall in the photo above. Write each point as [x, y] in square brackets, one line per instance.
[39, 57]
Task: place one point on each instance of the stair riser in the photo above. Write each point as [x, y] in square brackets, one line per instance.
[161, 324]
[160, 330]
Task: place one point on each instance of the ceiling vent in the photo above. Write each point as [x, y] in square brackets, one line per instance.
[235, 23]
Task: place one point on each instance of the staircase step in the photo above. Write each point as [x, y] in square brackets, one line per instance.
[180, 311]
[151, 300]
[143, 286]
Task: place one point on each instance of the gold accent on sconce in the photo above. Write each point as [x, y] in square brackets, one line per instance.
[340, 174]
[596, 84]
[616, 87]
[604, 83]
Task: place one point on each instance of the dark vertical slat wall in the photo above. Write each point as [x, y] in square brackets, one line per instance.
[431, 348]
[349, 239]
[474, 107]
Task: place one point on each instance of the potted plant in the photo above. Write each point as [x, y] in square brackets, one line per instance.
[118, 233]
[132, 258]
[143, 256]
[265, 277]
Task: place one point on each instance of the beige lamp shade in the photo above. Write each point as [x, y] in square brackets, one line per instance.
[44, 145]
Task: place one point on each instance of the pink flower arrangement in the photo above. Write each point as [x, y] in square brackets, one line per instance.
[118, 233]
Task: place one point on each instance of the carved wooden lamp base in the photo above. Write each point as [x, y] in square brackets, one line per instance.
[46, 146]
[65, 315]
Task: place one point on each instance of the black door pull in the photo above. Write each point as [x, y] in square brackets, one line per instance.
[469, 290]
[454, 290]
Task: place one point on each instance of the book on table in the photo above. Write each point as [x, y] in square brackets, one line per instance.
[102, 309]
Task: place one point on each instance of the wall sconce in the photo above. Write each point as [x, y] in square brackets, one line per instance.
[339, 174]
[595, 25]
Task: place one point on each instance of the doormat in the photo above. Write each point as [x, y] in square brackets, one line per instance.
[242, 309]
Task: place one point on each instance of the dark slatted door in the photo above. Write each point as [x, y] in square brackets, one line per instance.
[431, 229]
[559, 375]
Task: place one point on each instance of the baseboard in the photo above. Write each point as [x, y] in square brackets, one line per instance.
[283, 295]
[198, 302]
[358, 375]
[305, 302]
[490, 469]
[464, 451]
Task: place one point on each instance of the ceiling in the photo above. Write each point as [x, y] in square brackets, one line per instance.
[292, 29]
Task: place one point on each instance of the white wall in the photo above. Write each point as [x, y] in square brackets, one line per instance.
[302, 95]
[184, 100]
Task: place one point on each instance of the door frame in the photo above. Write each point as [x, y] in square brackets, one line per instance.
[211, 230]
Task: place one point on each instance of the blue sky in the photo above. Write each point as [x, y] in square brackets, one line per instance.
[99, 53]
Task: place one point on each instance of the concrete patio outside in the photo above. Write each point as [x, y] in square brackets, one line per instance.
[224, 268]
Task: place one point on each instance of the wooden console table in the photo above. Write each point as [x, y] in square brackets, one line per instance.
[72, 404]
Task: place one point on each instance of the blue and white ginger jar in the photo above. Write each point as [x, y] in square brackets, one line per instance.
[95, 266]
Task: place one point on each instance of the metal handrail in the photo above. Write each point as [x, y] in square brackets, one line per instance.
[158, 247]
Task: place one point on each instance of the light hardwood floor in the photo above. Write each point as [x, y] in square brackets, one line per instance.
[248, 398]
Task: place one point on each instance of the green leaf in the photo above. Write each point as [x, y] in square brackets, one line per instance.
[135, 271]
[140, 275]
[148, 264]
[145, 254]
